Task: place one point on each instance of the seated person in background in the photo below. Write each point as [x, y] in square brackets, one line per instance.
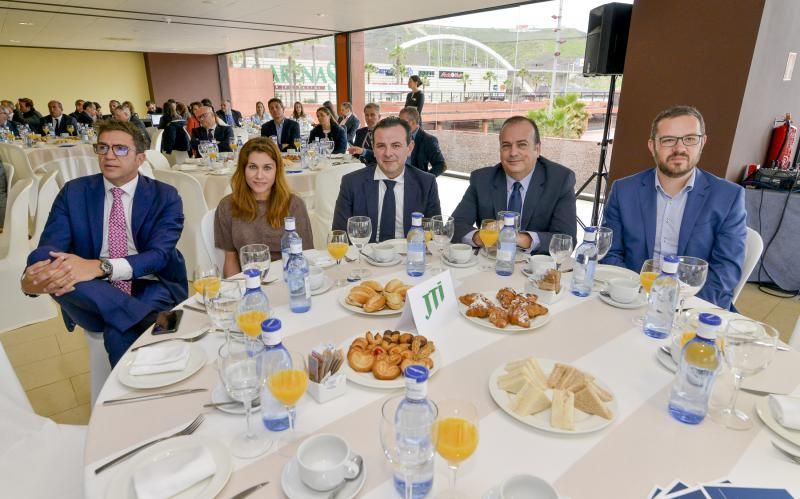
[287, 131]
[132, 109]
[209, 130]
[152, 108]
[108, 252]
[229, 115]
[254, 211]
[89, 114]
[362, 145]
[330, 107]
[78, 109]
[170, 108]
[122, 113]
[28, 115]
[299, 115]
[349, 121]
[679, 209]
[112, 105]
[426, 146]
[389, 192]
[328, 129]
[175, 137]
[192, 122]
[59, 121]
[260, 116]
[5, 121]
[542, 191]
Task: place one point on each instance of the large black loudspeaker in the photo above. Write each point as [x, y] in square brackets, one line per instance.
[606, 39]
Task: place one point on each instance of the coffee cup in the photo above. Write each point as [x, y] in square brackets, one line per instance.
[383, 252]
[324, 461]
[527, 487]
[460, 252]
[316, 276]
[623, 290]
[538, 264]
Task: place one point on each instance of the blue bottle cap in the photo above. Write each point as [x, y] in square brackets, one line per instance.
[416, 214]
[671, 259]
[271, 325]
[418, 373]
[710, 319]
[590, 229]
[252, 273]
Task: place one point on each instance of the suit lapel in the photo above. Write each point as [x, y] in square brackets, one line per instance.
[371, 197]
[535, 191]
[499, 193]
[647, 203]
[143, 200]
[695, 202]
[411, 189]
[95, 204]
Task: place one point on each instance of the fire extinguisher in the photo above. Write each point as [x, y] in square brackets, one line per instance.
[779, 153]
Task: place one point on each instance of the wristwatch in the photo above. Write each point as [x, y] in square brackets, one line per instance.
[106, 268]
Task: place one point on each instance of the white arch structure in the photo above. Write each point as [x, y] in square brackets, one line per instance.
[475, 43]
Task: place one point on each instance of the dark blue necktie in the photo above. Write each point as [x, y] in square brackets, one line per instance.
[387, 212]
[515, 201]
[229, 119]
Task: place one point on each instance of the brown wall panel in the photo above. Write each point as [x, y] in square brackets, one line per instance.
[357, 80]
[342, 69]
[183, 77]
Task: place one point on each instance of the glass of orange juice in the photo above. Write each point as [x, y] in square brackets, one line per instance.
[205, 276]
[488, 234]
[455, 436]
[338, 244]
[287, 385]
[651, 268]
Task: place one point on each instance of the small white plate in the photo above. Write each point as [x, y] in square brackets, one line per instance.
[359, 310]
[640, 301]
[121, 486]
[603, 273]
[469, 263]
[400, 245]
[294, 488]
[189, 167]
[197, 359]
[326, 285]
[666, 360]
[219, 395]
[370, 381]
[584, 423]
[762, 409]
[494, 492]
[519, 257]
[535, 323]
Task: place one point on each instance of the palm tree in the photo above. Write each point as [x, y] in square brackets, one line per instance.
[567, 120]
[464, 79]
[398, 53]
[490, 76]
[370, 68]
[522, 74]
[313, 44]
[290, 53]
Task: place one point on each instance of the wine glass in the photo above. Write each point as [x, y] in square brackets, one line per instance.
[692, 274]
[71, 128]
[560, 248]
[337, 248]
[213, 152]
[442, 228]
[501, 219]
[243, 372]
[202, 148]
[287, 385]
[205, 276]
[455, 436]
[360, 231]
[298, 144]
[604, 237]
[329, 145]
[255, 256]
[488, 234]
[748, 347]
[221, 305]
[396, 452]
[651, 269]
[46, 129]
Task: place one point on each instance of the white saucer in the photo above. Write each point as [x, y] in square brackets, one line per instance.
[640, 301]
[367, 254]
[219, 395]
[469, 263]
[666, 360]
[294, 488]
[326, 285]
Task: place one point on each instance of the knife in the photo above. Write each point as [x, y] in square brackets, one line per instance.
[193, 309]
[153, 396]
[246, 492]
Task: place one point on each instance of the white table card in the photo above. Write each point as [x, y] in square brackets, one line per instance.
[429, 305]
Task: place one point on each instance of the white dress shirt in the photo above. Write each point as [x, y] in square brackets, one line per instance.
[122, 270]
[398, 201]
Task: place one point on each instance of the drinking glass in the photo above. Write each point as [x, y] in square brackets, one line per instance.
[604, 237]
[288, 385]
[205, 276]
[46, 129]
[748, 347]
[442, 228]
[501, 219]
[298, 144]
[243, 372]
[213, 152]
[560, 248]
[360, 231]
[70, 129]
[255, 256]
[455, 436]
[202, 148]
[275, 140]
[221, 305]
[329, 145]
[692, 274]
[337, 248]
[488, 234]
[651, 268]
[395, 451]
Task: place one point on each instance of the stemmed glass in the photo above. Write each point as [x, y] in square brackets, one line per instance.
[560, 248]
[455, 436]
[288, 385]
[298, 143]
[46, 129]
[651, 268]
[360, 231]
[337, 248]
[604, 238]
[205, 276]
[328, 144]
[221, 305]
[395, 451]
[692, 274]
[255, 256]
[202, 148]
[748, 347]
[488, 233]
[442, 228]
[243, 372]
[213, 152]
[70, 128]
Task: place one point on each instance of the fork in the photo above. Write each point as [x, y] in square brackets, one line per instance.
[186, 431]
[793, 457]
[188, 340]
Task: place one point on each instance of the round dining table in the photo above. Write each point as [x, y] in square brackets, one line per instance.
[643, 446]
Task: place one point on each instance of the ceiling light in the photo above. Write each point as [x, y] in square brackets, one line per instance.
[320, 14]
[25, 23]
[118, 39]
[14, 41]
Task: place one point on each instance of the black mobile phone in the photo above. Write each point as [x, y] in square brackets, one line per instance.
[168, 322]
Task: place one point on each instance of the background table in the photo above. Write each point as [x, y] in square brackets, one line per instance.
[643, 446]
[765, 215]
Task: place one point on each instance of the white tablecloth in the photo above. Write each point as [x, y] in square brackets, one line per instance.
[643, 446]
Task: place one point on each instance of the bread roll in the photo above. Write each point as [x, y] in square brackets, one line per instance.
[394, 301]
[375, 303]
[375, 285]
[393, 285]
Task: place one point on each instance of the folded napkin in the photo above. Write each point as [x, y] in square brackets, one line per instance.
[318, 258]
[785, 410]
[174, 474]
[171, 356]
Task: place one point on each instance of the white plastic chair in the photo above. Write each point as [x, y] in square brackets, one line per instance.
[71, 168]
[155, 137]
[752, 252]
[9, 169]
[22, 169]
[794, 340]
[326, 190]
[177, 157]
[157, 160]
[215, 255]
[194, 208]
[48, 190]
[16, 309]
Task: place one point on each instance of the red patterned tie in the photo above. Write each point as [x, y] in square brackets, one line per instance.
[118, 235]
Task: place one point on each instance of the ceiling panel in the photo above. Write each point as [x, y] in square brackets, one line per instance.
[204, 26]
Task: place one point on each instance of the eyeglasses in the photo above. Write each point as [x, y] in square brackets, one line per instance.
[688, 140]
[120, 150]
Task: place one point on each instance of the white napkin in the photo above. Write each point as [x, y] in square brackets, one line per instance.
[785, 410]
[318, 258]
[178, 472]
[172, 356]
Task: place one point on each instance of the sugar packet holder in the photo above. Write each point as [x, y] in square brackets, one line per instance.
[330, 388]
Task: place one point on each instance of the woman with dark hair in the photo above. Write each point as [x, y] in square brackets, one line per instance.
[261, 115]
[298, 112]
[254, 211]
[415, 98]
[192, 122]
[330, 107]
[299, 115]
[175, 137]
[170, 113]
[328, 129]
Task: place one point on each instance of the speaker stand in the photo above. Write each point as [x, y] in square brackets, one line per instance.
[601, 174]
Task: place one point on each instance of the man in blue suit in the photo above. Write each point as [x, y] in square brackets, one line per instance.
[5, 120]
[285, 129]
[389, 192]
[679, 209]
[427, 156]
[107, 254]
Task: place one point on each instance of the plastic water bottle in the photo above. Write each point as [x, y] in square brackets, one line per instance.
[413, 423]
[663, 299]
[506, 247]
[297, 280]
[697, 370]
[276, 357]
[415, 264]
[289, 235]
[254, 300]
[585, 263]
